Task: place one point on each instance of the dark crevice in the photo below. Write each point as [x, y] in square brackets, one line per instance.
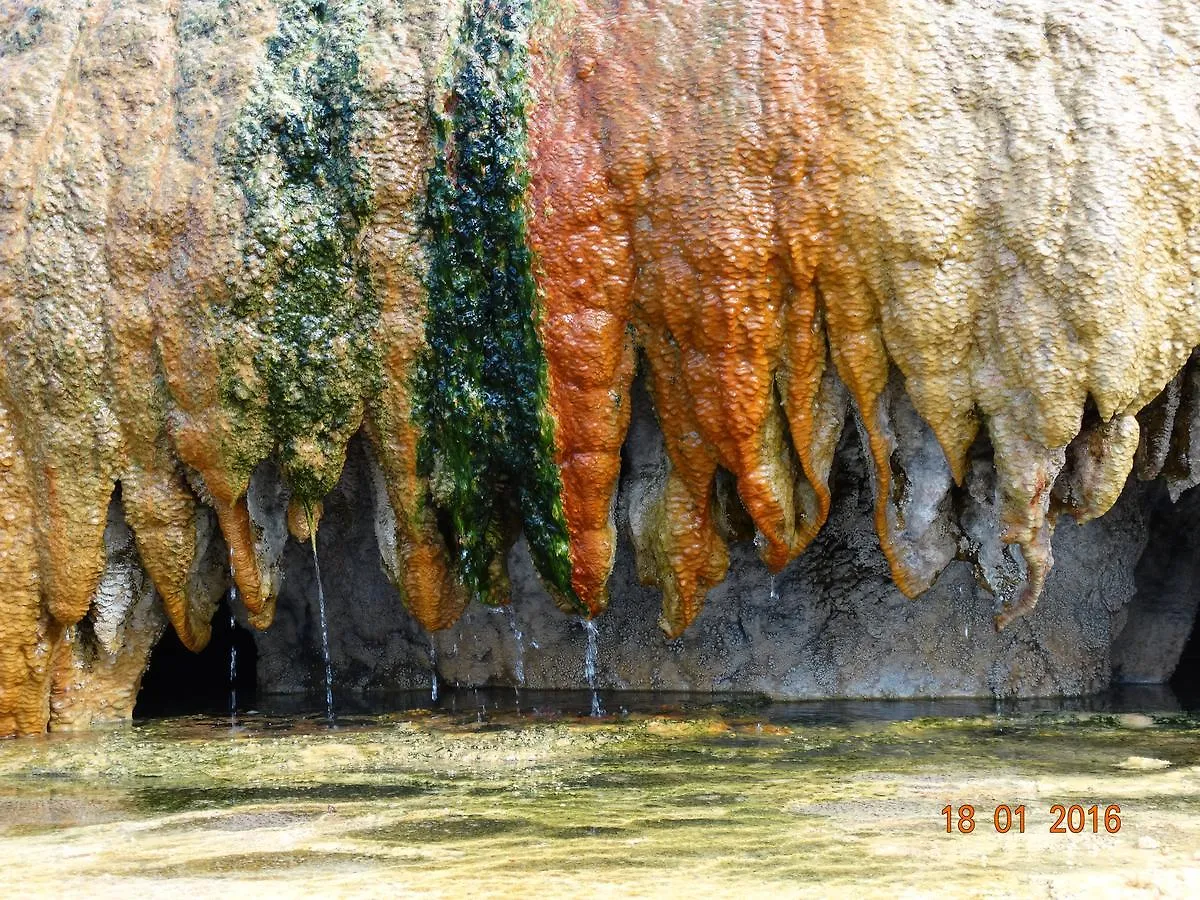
[1153, 645]
[1186, 680]
[180, 682]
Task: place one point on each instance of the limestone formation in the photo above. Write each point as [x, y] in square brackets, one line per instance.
[981, 214]
[98, 666]
[209, 260]
[234, 234]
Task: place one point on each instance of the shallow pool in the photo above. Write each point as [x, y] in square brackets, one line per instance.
[530, 796]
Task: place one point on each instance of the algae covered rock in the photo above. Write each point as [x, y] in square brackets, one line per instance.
[235, 234]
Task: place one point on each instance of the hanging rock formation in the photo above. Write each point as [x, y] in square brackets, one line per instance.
[234, 234]
[960, 216]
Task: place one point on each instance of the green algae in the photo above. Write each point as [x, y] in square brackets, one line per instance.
[181, 799]
[644, 805]
[308, 309]
[447, 828]
[260, 863]
[296, 353]
[487, 439]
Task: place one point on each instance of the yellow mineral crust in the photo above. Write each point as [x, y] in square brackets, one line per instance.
[127, 361]
[957, 217]
[980, 213]
[28, 633]
[1016, 231]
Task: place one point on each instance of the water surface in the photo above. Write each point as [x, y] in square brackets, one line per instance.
[496, 794]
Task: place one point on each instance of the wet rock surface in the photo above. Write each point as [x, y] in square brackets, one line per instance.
[832, 624]
[957, 240]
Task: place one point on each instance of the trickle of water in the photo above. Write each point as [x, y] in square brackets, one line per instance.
[324, 628]
[774, 589]
[590, 657]
[519, 637]
[232, 669]
[433, 690]
[233, 594]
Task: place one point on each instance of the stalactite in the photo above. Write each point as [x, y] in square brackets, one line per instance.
[585, 271]
[791, 174]
[672, 174]
[233, 233]
[487, 443]
[98, 667]
[189, 183]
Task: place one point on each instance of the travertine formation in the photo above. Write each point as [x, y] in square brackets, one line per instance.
[209, 257]
[954, 214]
[234, 233]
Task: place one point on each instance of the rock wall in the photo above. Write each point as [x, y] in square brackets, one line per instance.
[923, 210]
[831, 624]
[1154, 629]
[235, 234]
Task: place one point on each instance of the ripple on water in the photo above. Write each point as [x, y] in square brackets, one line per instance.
[699, 802]
[187, 799]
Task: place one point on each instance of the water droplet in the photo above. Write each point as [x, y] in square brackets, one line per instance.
[233, 595]
[233, 669]
[433, 690]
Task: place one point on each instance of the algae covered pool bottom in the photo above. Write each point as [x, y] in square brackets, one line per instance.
[734, 800]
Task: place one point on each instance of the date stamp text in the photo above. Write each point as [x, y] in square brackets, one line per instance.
[1063, 819]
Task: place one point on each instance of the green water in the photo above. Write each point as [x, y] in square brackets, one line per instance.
[734, 799]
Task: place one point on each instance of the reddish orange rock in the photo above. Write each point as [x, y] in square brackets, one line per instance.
[822, 200]
[663, 142]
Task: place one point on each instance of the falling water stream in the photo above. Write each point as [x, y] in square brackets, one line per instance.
[433, 689]
[324, 627]
[519, 637]
[233, 595]
[233, 667]
[589, 664]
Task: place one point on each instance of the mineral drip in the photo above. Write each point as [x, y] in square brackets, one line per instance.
[237, 234]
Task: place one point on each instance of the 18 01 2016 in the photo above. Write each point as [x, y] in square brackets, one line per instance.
[1073, 819]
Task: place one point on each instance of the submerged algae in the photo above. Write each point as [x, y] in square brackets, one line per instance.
[734, 804]
[488, 444]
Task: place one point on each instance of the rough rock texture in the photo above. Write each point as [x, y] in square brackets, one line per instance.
[832, 624]
[190, 285]
[98, 667]
[1154, 629]
[236, 233]
[374, 644]
[982, 216]
[99, 664]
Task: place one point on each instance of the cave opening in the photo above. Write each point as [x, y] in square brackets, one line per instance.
[180, 682]
[1185, 681]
